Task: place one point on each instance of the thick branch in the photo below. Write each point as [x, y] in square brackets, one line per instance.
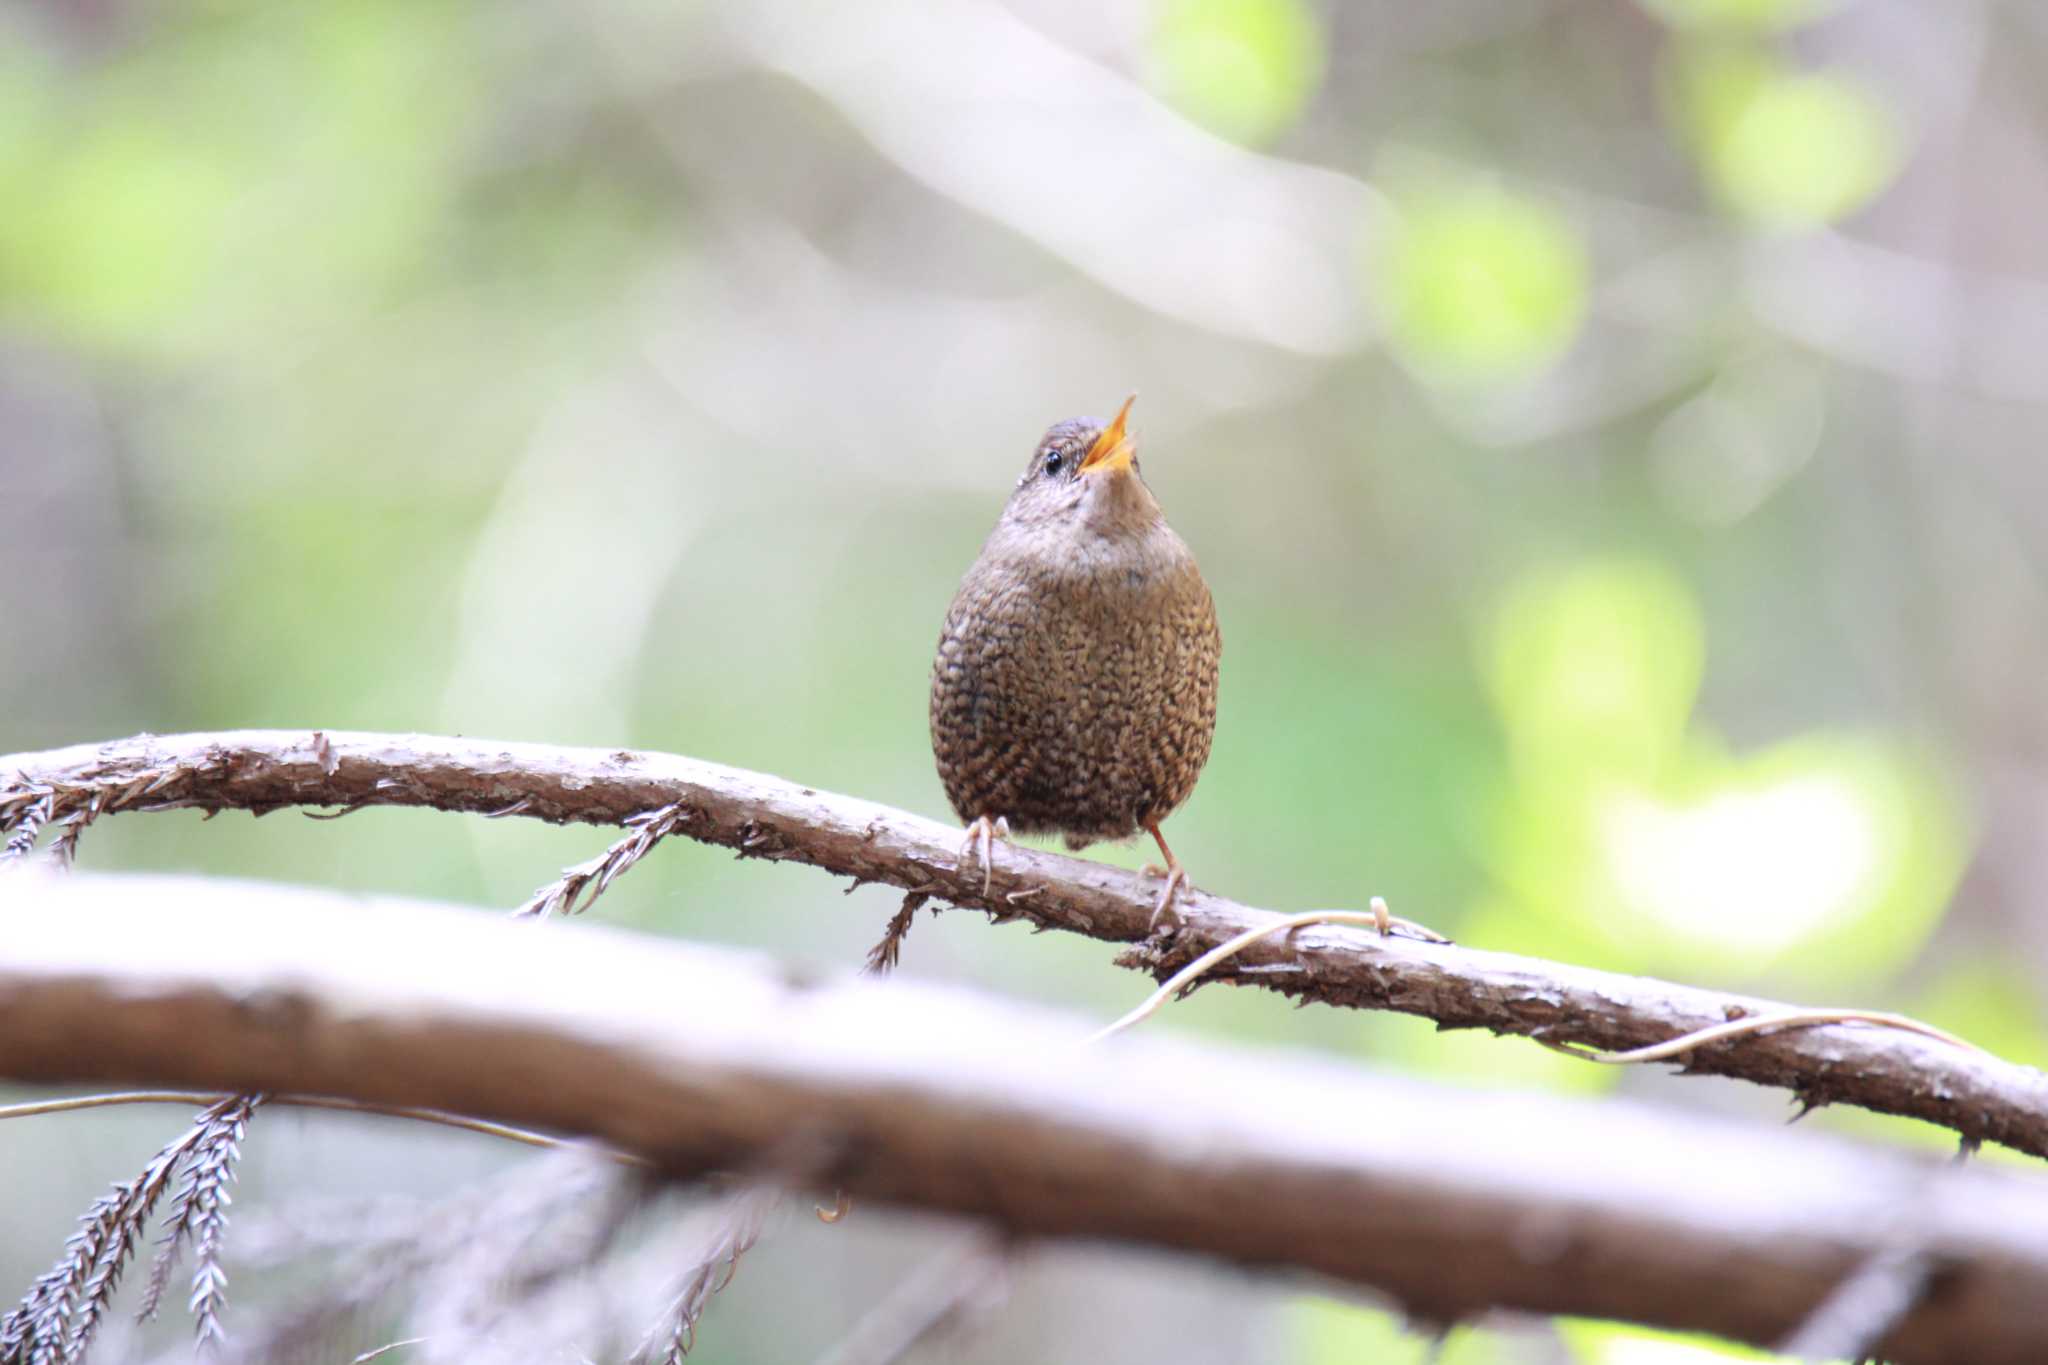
[1979, 1097]
[1451, 1201]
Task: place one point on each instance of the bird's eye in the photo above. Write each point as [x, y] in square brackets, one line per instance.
[1053, 461]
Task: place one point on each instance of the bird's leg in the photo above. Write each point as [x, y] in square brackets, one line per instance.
[984, 832]
[1176, 878]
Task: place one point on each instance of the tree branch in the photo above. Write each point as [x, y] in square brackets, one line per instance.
[1979, 1097]
[1451, 1201]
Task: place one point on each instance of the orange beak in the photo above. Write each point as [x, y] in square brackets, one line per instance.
[1113, 449]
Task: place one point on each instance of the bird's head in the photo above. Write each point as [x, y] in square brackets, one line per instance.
[1086, 474]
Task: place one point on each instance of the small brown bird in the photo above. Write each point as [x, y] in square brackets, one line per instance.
[1074, 691]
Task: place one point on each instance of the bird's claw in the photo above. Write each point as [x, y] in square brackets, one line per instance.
[1176, 879]
[984, 832]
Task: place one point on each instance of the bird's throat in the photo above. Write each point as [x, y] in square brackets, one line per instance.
[1117, 503]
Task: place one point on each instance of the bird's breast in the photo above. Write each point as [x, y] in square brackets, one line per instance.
[1076, 692]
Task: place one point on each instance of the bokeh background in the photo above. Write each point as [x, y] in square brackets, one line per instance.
[1612, 432]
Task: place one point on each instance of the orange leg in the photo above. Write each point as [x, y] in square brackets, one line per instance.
[1176, 877]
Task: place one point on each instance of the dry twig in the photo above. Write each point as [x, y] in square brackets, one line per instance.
[525, 1137]
[1879, 1069]
[1187, 978]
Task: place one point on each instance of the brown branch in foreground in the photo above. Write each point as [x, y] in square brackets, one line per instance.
[1452, 1202]
[1981, 1098]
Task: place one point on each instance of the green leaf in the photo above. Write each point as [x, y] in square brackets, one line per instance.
[1243, 69]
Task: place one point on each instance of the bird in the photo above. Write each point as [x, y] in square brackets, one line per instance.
[1074, 686]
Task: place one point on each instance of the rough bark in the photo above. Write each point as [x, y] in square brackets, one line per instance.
[1450, 1201]
[1979, 1097]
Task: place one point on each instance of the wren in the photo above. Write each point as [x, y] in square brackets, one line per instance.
[1074, 689]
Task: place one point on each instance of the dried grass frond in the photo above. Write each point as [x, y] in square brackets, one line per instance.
[883, 956]
[199, 1214]
[28, 808]
[64, 847]
[58, 1318]
[26, 812]
[739, 1228]
[41, 1327]
[304, 1229]
[418, 1264]
[586, 881]
[547, 1230]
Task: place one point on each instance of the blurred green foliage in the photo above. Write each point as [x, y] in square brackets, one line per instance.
[1480, 285]
[1738, 15]
[601, 375]
[1336, 1333]
[251, 170]
[1780, 147]
[1606, 1343]
[1640, 835]
[1594, 670]
[1243, 69]
[1333, 1332]
[1992, 1001]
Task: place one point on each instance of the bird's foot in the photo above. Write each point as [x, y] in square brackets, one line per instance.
[984, 832]
[1176, 878]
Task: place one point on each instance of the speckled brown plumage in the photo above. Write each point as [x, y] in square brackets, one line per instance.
[1074, 691]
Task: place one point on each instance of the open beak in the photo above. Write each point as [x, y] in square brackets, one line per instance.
[1113, 449]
